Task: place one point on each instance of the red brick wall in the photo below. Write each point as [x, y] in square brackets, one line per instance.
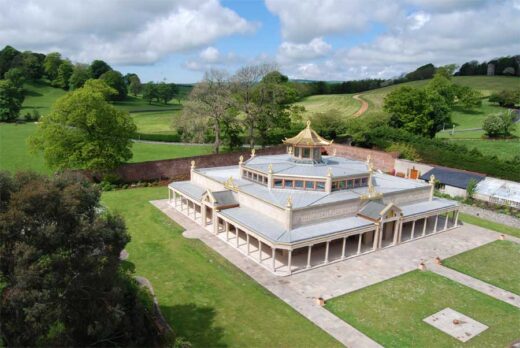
[179, 168]
[382, 160]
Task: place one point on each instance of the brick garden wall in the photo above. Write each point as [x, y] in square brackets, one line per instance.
[179, 168]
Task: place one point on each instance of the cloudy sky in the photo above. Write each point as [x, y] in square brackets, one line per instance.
[177, 40]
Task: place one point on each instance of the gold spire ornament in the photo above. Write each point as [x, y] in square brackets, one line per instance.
[371, 192]
[270, 168]
[192, 165]
[329, 172]
[289, 150]
[289, 202]
[253, 153]
[230, 184]
[307, 137]
[240, 160]
[334, 152]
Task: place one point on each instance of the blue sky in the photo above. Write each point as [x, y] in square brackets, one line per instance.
[177, 40]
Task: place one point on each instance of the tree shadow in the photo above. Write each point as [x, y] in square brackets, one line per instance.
[127, 266]
[194, 323]
[32, 93]
[472, 111]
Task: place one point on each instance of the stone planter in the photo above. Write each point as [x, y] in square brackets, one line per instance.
[422, 266]
[438, 261]
[320, 301]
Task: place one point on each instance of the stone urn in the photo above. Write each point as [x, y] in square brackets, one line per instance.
[320, 301]
[422, 266]
[438, 261]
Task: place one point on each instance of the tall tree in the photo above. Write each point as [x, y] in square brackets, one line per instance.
[84, 131]
[134, 84]
[244, 82]
[51, 65]
[7, 55]
[60, 263]
[65, 71]
[115, 80]
[16, 76]
[80, 75]
[210, 102]
[11, 99]
[166, 91]
[150, 92]
[98, 68]
[32, 65]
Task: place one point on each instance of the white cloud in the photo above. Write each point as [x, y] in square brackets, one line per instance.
[289, 51]
[418, 20]
[210, 55]
[302, 21]
[120, 31]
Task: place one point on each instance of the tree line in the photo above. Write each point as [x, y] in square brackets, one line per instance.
[508, 66]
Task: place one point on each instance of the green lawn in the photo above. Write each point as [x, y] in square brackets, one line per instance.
[392, 312]
[151, 152]
[204, 297]
[159, 122]
[14, 151]
[470, 219]
[496, 263]
[503, 149]
[138, 104]
[323, 103]
[15, 155]
[40, 96]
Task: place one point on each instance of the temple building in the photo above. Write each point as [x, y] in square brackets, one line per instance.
[303, 209]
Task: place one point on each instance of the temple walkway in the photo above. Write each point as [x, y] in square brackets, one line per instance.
[301, 290]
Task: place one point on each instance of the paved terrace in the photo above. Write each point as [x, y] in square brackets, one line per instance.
[301, 290]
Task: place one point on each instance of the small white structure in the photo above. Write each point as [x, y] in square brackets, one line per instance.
[499, 191]
[302, 210]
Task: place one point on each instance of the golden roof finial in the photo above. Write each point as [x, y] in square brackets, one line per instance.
[289, 202]
[371, 192]
[432, 179]
[192, 165]
[270, 168]
[308, 123]
[240, 160]
[307, 136]
[253, 152]
[334, 152]
[329, 172]
[289, 149]
[230, 184]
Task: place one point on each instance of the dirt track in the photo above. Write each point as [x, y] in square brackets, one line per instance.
[364, 105]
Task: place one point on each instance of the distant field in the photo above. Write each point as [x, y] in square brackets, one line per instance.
[155, 122]
[40, 96]
[15, 156]
[323, 103]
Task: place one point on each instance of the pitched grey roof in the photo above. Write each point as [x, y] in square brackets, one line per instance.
[193, 191]
[452, 177]
[273, 230]
[424, 207]
[372, 209]
[224, 198]
[383, 183]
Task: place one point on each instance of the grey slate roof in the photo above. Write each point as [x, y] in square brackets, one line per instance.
[273, 231]
[423, 207]
[452, 177]
[193, 191]
[372, 209]
[224, 198]
[383, 183]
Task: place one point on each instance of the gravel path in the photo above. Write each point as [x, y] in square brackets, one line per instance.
[364, 105]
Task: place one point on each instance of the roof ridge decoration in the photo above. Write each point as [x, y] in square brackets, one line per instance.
[230, 184]
[372, 193]
[308, 137]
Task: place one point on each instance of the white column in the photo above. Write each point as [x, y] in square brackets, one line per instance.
[236, 234]
[247, 239]
[327, 252]
[259, 250]
[446, 222]
[424, 227]
[380, 236]
[435, 226]
[188, 207]
[456, 219]
[290, 260]
[359, 243]
[226, 228]
[309, 251]
[273, 253]
[413, 229]
[343, 248]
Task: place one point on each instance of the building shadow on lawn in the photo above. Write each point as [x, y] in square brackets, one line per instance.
[195, 324]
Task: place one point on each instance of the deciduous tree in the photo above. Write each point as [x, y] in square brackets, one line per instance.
[65, 71]
[98, 68]
[16, 76]
[11, 99]
[84, 131]
[51, 65]
[115, 80]
[80, 75]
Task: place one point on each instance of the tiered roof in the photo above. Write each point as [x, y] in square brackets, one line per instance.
[307, 137]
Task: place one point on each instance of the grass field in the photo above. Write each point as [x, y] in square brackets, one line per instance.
[392, 312]
[496, 263]
[15, 155]
[204, 297]
[323, 103]
[151, 152]
[40, 96]
[470, 219]
[158, 122]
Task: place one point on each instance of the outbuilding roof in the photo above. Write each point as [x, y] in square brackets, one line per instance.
[452, 177]
[309, 137]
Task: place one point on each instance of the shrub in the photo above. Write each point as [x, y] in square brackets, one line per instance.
[493, 126]
[406, 151]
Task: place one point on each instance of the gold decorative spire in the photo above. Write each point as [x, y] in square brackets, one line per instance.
[270, 168]
[192, 165]
[253, 153]
[371, 192]
[230, 184]
[289, 150]
[432, 179]
[329, 172]
[240, 160]
[334, 152]
[308, 137]
[289, 202]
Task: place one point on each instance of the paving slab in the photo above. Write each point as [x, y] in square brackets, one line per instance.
[302, 289]
[456, 324]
